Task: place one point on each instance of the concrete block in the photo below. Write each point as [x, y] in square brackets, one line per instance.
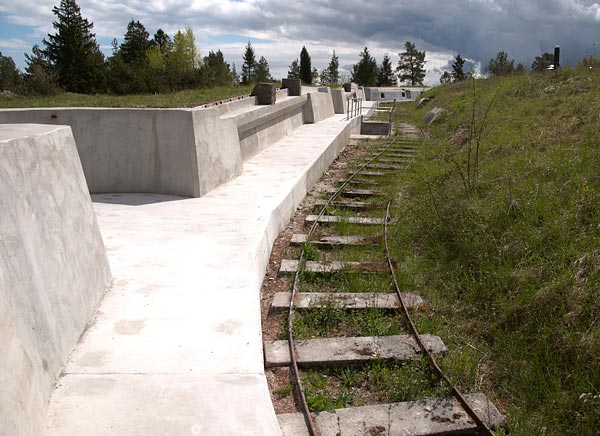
[53, 268]
[318, 108]
[294, 86]
[423, 102]
[265, 92]
[340, 101]
[379, 128]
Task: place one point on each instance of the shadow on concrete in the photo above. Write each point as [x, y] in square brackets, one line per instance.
[134, 199]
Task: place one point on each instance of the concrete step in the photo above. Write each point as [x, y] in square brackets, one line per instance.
[332, 241]
[332, 219]
[349, 204]
[350, 351]
[345, 300]
[356, 192]
[289, 267]
[434, 416]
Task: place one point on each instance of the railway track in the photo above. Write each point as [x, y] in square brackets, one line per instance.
[343, 271]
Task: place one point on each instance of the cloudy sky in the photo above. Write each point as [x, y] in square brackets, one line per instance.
[477, 29]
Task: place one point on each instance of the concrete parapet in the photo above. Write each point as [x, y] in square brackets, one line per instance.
[340, 101]
[53, 268]
[318, 108]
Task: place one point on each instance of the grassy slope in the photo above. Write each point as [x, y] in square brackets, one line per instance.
[185, 98]
[509, 255]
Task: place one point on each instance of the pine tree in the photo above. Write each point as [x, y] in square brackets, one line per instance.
[458, 74]
[365, 72]
[411, 66]
[294, 71]
[135, 44]
[263, 74]
[216, 70]
[73, 52]
[500, 65]
[306, 72]
[333, 70]
[235, 78]
[249, 66]
[40, 78]
[386, 76]
[162, 40]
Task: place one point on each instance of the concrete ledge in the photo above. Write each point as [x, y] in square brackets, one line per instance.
[53, 268]
[340, 101]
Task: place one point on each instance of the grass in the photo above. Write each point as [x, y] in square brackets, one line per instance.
[504, 244]
[185, 98]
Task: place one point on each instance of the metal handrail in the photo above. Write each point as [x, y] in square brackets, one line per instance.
[354, 107]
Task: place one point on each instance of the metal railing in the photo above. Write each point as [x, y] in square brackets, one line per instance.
[354, 107]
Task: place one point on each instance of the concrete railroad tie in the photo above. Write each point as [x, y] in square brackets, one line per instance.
[289, 267]
[345, 300]
[331, 241]
[332, 219]
[347, 351]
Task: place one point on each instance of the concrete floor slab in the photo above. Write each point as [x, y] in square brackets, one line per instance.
[175, 348]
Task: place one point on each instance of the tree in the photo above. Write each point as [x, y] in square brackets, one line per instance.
[40, 78]
[10, 77]
[249, 65]
[542, 62]
[306, 75]
[162, 40]
[458, 74]
[331, 74]
[263, 73]
[446, 77]
[364, 73]
[235, 78]
[386, 76]
[411, 66]
[520, 69]
[182, 60]
[294, 71]
[500, 65]
[73, 52]
[135, 45]
[216, 70]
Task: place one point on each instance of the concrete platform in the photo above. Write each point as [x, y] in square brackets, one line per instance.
[176, 347]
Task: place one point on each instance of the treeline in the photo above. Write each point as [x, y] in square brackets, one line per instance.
[410, 69]
[70, 60]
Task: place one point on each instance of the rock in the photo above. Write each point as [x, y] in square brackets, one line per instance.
[550, 90]
[432, 116]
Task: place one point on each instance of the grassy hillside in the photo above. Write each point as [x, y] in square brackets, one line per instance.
[185, 98]
[501, 232]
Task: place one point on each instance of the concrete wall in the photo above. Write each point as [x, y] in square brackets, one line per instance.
[53, 268]
[258, 127]
[390, 94]
[161, 151]
[319, 107]
[183, 152]
[340, 100]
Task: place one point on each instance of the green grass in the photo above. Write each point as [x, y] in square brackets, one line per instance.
[185, 98]
[505, 246]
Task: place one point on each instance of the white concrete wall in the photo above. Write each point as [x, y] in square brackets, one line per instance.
[53, 268]
[319, 107]
[143, 150]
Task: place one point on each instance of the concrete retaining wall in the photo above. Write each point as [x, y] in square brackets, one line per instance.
[163, 151]
[53, 268]
[183, 152]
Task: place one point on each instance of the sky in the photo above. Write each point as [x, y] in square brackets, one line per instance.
[477, 29]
